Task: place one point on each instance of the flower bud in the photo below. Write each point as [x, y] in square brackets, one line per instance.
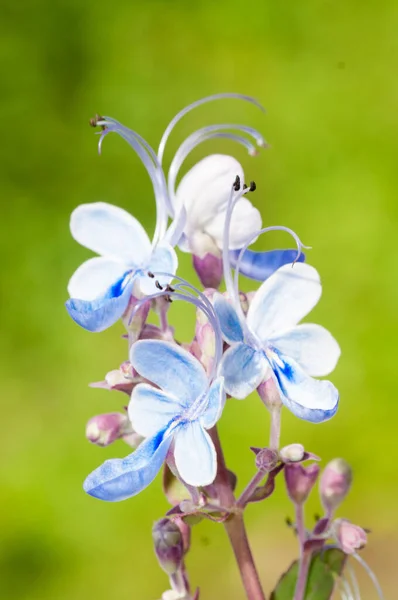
[169, 545]
[209, 270]
[349, 537]
[292, 453]
[266, 459]
[269, 394]
[105, 429]
[300, 481]
[335, 483]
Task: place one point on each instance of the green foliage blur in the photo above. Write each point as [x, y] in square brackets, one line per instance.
[326, 72]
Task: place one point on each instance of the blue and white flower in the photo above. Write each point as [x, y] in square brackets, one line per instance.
[271, 343]
[174, 416]
[101, 288]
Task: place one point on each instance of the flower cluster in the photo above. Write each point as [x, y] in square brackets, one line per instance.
[242, 342]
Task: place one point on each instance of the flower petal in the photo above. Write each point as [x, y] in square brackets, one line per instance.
[195, 455]
[101, 313]
[309, 399]
[245, 221]
[229, 321]
[206, 188]
[216, 397]
[284, 299]
[150, 409]
[163, 260]
[121, 478]
[111, 231]
[260, 265]
[312, 346]
[171, 368]
[243, 369]
[94, 277]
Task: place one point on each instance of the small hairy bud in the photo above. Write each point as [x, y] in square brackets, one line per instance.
[102, 430]
[349, 537]
[266, 459]
[169, 545]
[292, 453]
[300, 481]
[335, 483]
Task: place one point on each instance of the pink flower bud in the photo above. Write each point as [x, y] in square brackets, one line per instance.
[335, 483]
[300, 481]
[269, 394]
[292, 453]
[350, 537]
[105, 429]
[209, 270]
[266, 459]
[169, 545]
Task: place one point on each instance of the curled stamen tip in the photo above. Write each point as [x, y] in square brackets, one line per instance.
[253, 152]
[263, 144]
[95, 121]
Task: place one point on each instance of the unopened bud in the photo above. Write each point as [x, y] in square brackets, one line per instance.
[349, 537]
[105, 429]
[335, 483]
[269, 394]
[292, 453]
[209, 270]
[169, 545]
[266, 459]
[300, 481]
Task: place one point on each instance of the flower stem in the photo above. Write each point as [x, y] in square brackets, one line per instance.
[305, 561]
[300, 526]
[235, 527]
[275, 432]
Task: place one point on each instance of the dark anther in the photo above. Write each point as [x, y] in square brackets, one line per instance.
[236, 184]
[94, 121]
[252, 186]
[158, 285]
[168, 299]
[151, 275]
[169, 288]
[244, 186]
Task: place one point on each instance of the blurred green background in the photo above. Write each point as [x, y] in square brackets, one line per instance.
[326, 72]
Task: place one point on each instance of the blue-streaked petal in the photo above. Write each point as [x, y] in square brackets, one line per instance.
[312, 346]
[94, 278]
[151, 409]
[111, 231]
[216, 397]
[171, 368]
[284, 299]
[309, 399]
[231, 328]
[195, 455]
[104, 311]
[243, 369]
[121, 478]
[163, 260]
[260, 265]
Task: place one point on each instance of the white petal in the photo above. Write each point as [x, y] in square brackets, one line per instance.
[206, 188]
[245, 222]
[150, 410]
[112, 232]
[284, 299]
[312, 346]
[94, 277]
[163, 260]
[195, 455]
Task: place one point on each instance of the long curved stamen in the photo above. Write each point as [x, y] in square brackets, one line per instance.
[345, 589]
[203, 135]
[199, 300]
[354, 582]
[194, 105]
[294, 235]
[151, 163]
[371, 575]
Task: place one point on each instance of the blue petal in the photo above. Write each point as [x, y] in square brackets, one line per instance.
[215, 403]
[229, 321]
[171, 368]
[101, 313]
[309, 399]
[260, 265]
[243, 369]
[121, 478]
